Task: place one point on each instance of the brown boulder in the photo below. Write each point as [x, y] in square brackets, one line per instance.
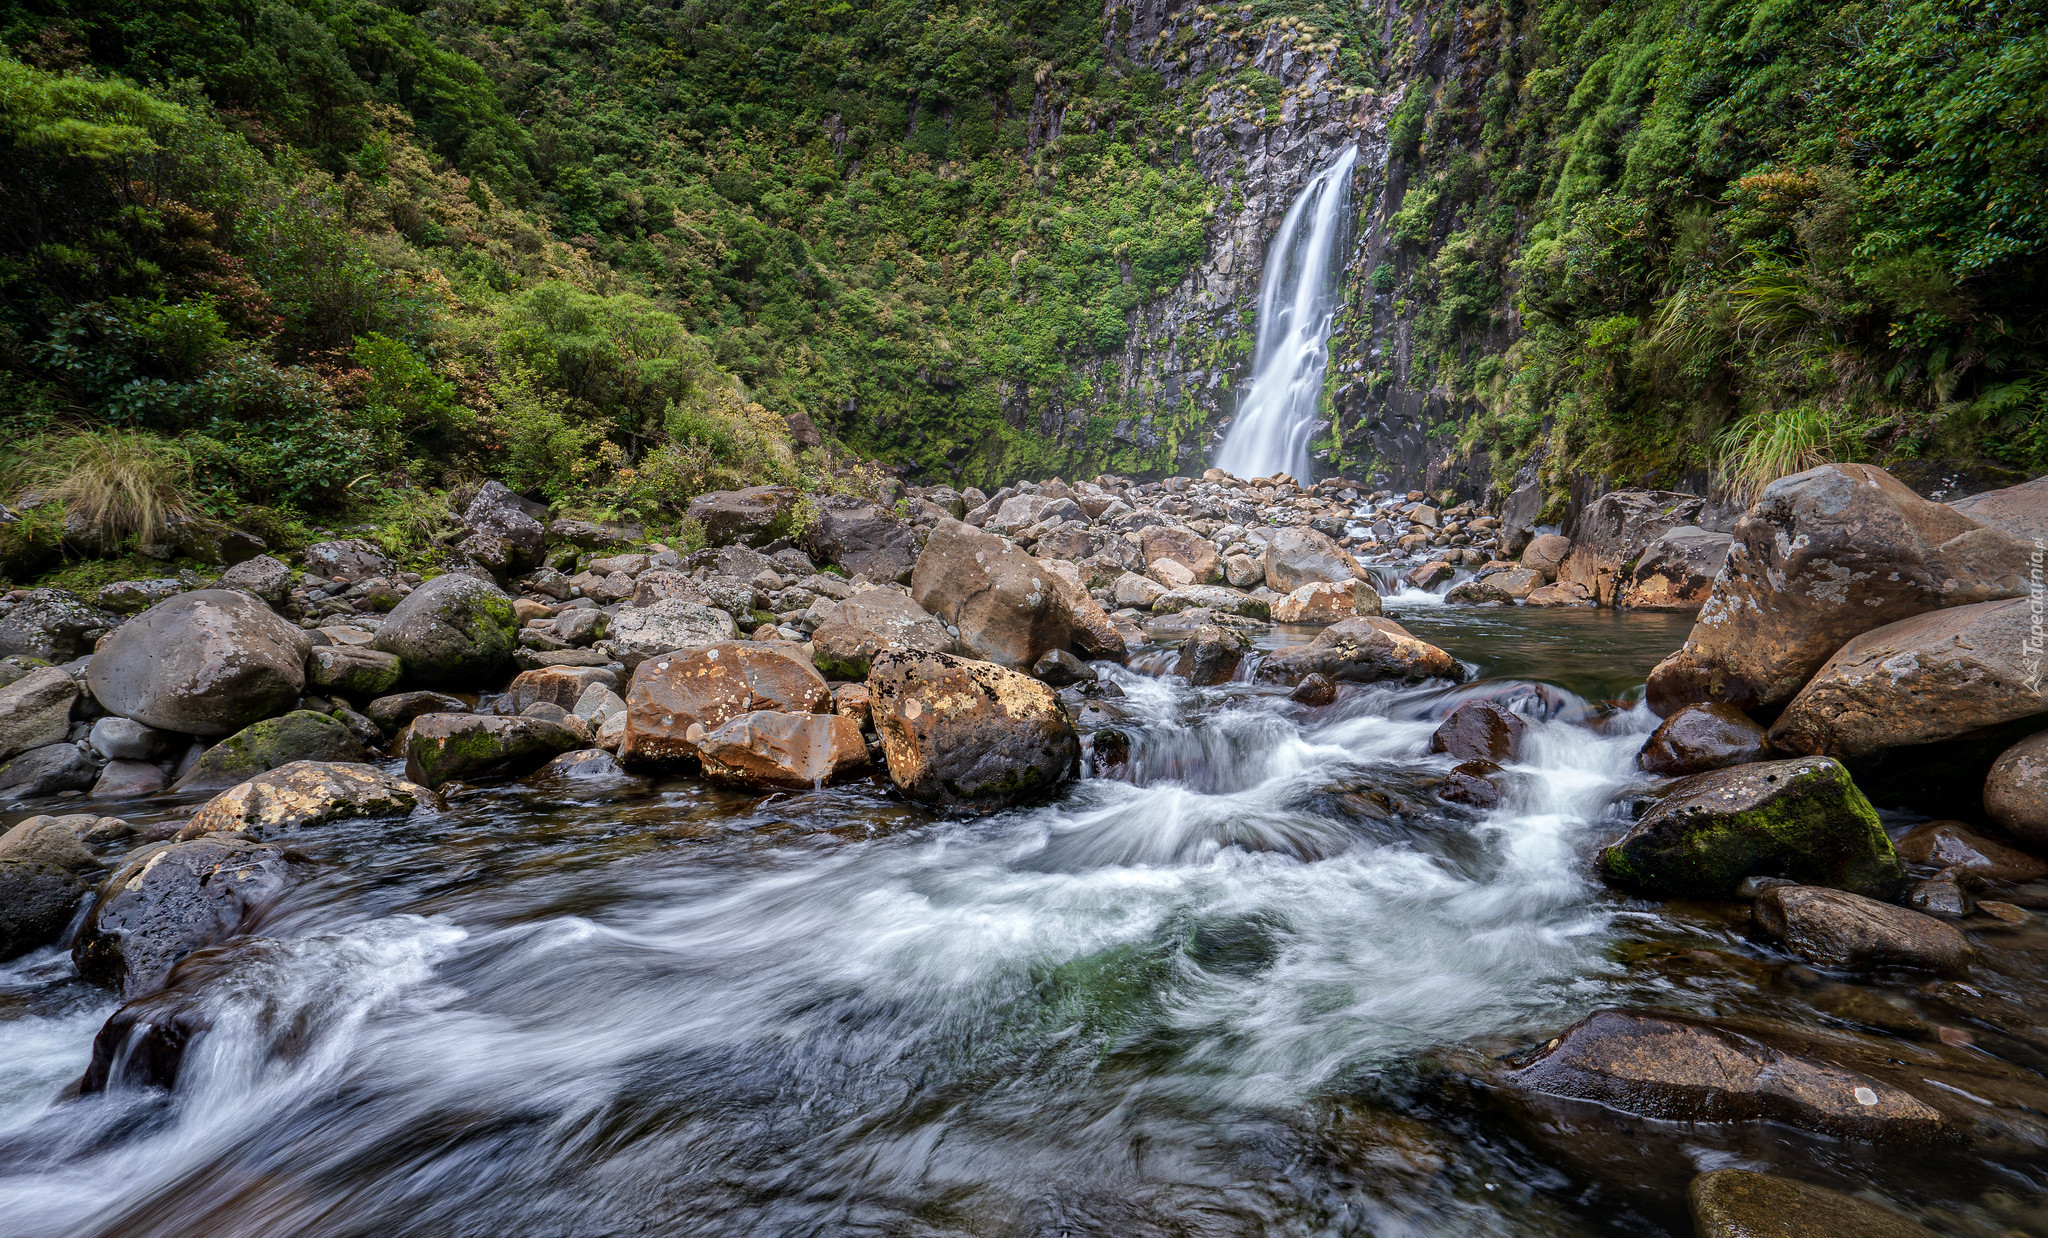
[1323, 602]
[1210, 655]
[305, 793]
[2016, 789]
[1563, 593]
[1189, 549]
[1927, 678]
[1545, 553]
[1740, 1203]
[1679, 1070]
[1676, 573]
[1480, 731]
[674, 701]
[1501, 585]
[1008, 610]
[1314, 690]
[1951, 844]
[1824, 556]
[554, 685]
[2020, 512]
[1095, 634]
[770, 749]
[1300, 555]
[1835, 928]
[1363, 650]
[970, 733]
[1698, 738]
[1615, 530]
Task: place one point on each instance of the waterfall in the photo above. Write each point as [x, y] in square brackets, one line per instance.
[1297, 303]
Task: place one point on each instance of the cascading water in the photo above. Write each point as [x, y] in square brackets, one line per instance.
[1297, 303]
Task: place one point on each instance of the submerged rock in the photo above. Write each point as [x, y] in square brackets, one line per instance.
[970, 733]
[45, 869]
[769, 749]
[1837, 929]
[1698, 738]
[300, 735]
[441, 748]
[673, 702]
[305, 793]
[205, 663]
[169, 900]
[1801, 819]
[1362, 650]
[1740, 1203]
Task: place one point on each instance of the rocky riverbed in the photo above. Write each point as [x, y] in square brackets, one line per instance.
[1198, 857]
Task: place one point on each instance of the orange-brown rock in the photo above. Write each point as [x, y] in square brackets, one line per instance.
[1677, 571]
[770, 749]
[675, 700]
[1007, 608]
[1325, 602]
[1362, 650]
[968, 733]
[1698, 738]
[2016, 789]
[1951, 844]
[1189, 549]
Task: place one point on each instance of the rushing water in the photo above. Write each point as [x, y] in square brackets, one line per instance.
[1297, 304]
[1193, 1003]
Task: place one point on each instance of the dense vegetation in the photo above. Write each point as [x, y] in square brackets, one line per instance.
[335, 256]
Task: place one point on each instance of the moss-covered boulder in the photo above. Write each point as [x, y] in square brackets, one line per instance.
[1801, 819]
[300, 735]
[454, 630]
[353, 670]
[440, 748]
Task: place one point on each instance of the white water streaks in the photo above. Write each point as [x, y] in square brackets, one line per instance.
[1297, 303]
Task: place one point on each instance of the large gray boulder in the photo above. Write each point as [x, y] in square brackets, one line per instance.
[499, 513]
[2020, 512]
[205, 663]
[755, 515]
[349, 560]
[639, 633]
[1302, 556]
[46, 771]
[1676, 572]
[53, 625]
[863, 540]
[1615, 530]
[44, 871]
[453, 630]
[261, 577]
[1823, 556]
[36, 710]
[1008, 609]
[869, 623]
[167, 901]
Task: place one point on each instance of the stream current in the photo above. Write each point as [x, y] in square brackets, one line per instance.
[1202, 1001]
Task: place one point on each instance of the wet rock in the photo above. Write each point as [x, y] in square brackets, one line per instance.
[755, 515]
[1132, 589]
[36, 710]
[47, 771]
[1007, 609]
[132, 597]
[970, 733]
[1824, 556]
[770, 749]
[1946, 894]
[1615, 530]
[2020, 512]
[1500, 586]
[300, 735]
[1060, 669]
[1676, 572]
[1210, 655]
[1183, 546]
[350, 560]
[1801, 819]
[666, 626]
[1739, 1203]
[2016, 789]
[53, 625]
[1563, 593]
[1430, 575]
[143, 1044]
[1472, 783]
[1837, 929]
[353, 670]
[1300, 556]
[393, 712]
[1698, 738]
[1480, 731]
[168, 900]
[1327, 603]
[556, 685]
[869, 623]
[518, 523]
[453, 630]
[863, 540]
[442, 748]
[1680, 1070]
[1951, 844]
[45, 869]
[1314, 690]
[673, 702]
[1363, 650]
[1545, 553]
[120, 780]
[585, 765]
[1211, 597]
[303, 794]
[1923, 679]
[262, 577]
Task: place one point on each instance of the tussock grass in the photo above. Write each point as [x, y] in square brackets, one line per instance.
[116, 484]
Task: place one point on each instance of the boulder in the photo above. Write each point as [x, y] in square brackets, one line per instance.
[496, 512]
[1953, 845]
[1430, 574]
[124, 739]
[1362, 650]
[45, 869]
[262, 577]
[869, 623]
[53, 625]
[673, 702]
[1137, 591]
[754, 516]
[1800, 819]
[1563, 593]
[305, 793]
[1835, 928]
[1007, 609]
[970, 733]
[168, 900]
[1210, 655]
[35, 710]
[1061, 669]
[300, 735]
[441, 748]
[46, 771]
[769, 749]
[1211, 597]
[1682, 1070]
[1615, 530]
[554, 685]
[394, 711]
[2020, 512]
[1314, 690]
[586, 765]
[1184, 546]
[120, 780]
[863, 540]
[597, 534]
[144, 1043]
[1826, 555]
[1916, 681]
[1480, 731]
[353, 670]
[1698, 738]
[1300, 555]
[1327, 603]
[2016, 789]
[453, 630]
[1740, 1203]
[1095, 633]
[668, 625]
[132, 597]
[1499, 586]
[1676, 572]
[1545, 553]
[350, 560]
[1172, 573]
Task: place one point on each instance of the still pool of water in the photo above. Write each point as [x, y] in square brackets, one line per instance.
[1229, 997]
